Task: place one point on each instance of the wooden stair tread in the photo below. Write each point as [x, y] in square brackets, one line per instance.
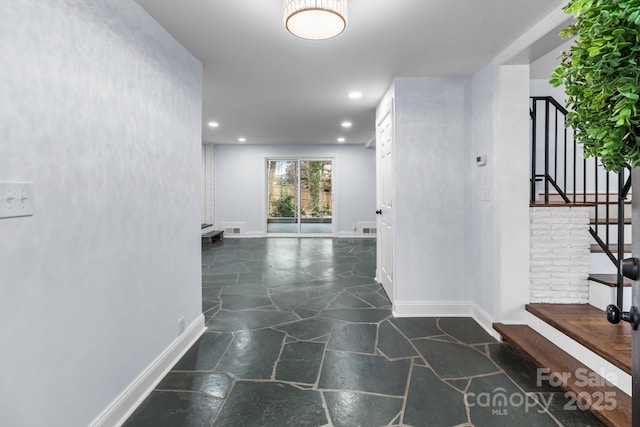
[612, 221]
[558, 204]
[610, 280]
[589, 326]
[545, 354]
[581, 199]
[595, 248]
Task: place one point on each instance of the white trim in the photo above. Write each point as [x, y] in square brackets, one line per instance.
[596, 363]
[447, 309]
[352, 235]
[131, 397]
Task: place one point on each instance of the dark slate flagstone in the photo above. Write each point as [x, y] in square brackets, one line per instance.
[432, 402]
[243, 302]
[393, 344]
[519, 368]
[451, 360]
[361, 372]
[252, 354]
[360, 315]
[348, 409]
[359, 338]
[309, 329]
[496, 401]
[346, 300]
[205, 353]
[300, 362]
[263, 404]
[417, 327]
[373, 298]
[248, 290]
[289, 300]
[465, 329]
[215, 385]
[162, 408]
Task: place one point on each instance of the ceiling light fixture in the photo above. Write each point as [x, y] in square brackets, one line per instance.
[346, 125]
[242, 139]
[355, 95]
[341, 139]
[315, 19]
[213, 124]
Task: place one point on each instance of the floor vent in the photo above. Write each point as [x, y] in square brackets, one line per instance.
[232, 229]
[367, 228]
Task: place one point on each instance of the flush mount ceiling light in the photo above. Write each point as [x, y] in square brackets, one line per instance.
[315, 19]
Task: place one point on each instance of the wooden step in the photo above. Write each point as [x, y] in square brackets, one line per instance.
[610, 280]
[545, 354]
[613, 247]
[581, 199]
[589, 326]
[612, 221]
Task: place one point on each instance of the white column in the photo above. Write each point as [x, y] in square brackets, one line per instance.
[511, 198]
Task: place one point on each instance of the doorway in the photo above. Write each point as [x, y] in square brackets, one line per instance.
[300, 197]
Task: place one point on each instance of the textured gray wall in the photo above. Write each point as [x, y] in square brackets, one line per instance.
[101, 109]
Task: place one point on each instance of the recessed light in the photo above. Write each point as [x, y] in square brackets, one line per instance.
[213, 124]
[347, 124]
[241, 139]
[341, 139]
[355, 94]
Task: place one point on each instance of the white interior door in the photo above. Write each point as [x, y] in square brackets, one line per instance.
[384, 185]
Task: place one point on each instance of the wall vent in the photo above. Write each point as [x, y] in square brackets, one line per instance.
[367, 228]
[233, 229]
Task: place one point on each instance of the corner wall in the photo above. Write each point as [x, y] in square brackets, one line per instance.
[101, 110]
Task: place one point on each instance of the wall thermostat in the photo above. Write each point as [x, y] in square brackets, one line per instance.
[481, 160]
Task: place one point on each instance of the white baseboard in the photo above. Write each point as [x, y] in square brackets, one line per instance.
[352, 235]
[131, 397]
[447, 309]
[597, 364]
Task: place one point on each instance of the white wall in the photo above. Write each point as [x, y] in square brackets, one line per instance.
[101, 109]
[240, 185]
[511, 191]
[480, 225]
[430, 131]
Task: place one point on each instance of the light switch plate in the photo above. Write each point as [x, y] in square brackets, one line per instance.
[16, 199]
[485, 195]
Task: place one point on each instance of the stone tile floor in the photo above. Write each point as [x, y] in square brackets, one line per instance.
[300, 334]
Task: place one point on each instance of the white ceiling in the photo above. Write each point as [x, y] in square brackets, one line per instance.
[264, 84]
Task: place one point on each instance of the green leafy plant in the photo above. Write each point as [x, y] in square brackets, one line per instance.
[601, 76]
[315, 173]
[283, 207]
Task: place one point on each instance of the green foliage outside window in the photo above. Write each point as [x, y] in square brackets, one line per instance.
[283, 207]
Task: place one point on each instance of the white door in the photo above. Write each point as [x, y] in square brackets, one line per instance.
[384, 185]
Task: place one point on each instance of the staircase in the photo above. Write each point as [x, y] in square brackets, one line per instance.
[574, 338]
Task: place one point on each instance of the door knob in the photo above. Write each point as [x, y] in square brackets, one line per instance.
[379, 212]
[614, 315]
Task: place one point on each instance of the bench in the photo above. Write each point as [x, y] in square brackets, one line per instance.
[212, 235]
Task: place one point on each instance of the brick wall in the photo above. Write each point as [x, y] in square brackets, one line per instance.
[559, 254]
